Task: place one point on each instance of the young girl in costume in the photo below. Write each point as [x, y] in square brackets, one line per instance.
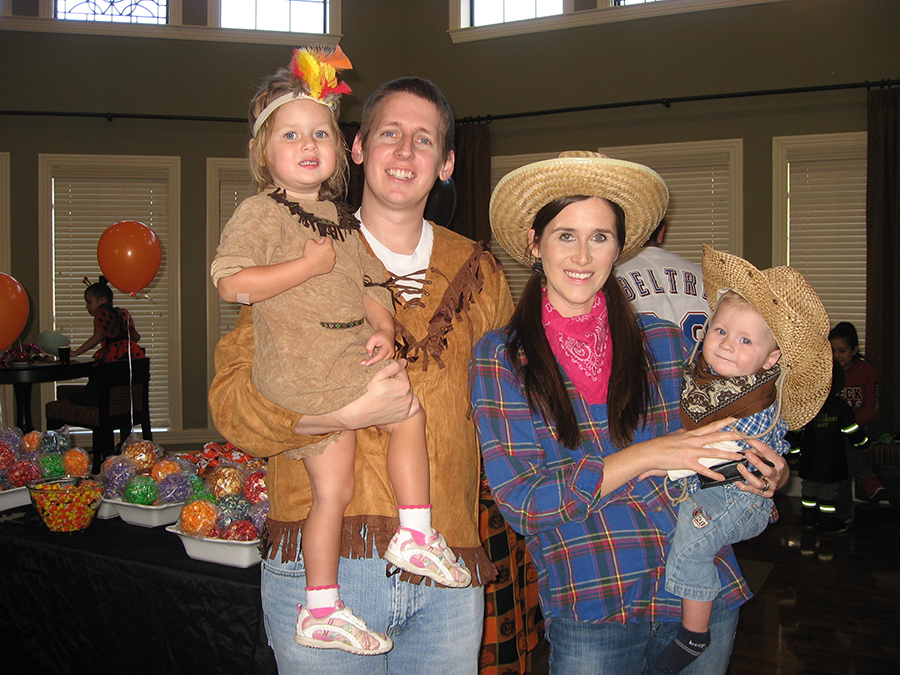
[114, 331]
[114, 328]
[323, 326]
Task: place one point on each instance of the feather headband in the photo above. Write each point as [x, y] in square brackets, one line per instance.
[316, 71]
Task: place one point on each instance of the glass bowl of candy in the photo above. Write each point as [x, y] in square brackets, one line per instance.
[66, 504]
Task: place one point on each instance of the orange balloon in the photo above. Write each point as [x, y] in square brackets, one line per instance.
[14, 309]
[129, 254]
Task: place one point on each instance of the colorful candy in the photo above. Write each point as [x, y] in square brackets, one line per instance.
[66, 507]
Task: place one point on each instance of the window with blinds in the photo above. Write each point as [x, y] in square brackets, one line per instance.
[80, 198]
[705, 188]
[228, 183]
[705, 181]
[820, 218]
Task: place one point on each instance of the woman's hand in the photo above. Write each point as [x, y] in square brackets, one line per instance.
[683, 449]
[388, 399]
[680, 449]
[766, 479]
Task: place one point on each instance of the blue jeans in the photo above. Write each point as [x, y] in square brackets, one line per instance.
[581, 648]
[435, 629]
[733, 516]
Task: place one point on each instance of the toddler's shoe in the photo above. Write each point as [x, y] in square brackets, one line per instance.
[341, 629]
[428, 556]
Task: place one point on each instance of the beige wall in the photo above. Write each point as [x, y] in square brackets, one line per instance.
[795, 43]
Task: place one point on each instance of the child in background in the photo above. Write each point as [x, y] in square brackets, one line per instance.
[861, 393]
[323, 327]
[114, 328]
[114, 331]
[765, 361]
[822, 446]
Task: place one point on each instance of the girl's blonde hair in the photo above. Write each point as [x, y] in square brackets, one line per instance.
[281, 83]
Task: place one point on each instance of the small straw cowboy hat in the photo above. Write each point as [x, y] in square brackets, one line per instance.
[523, 192]
[797, 319]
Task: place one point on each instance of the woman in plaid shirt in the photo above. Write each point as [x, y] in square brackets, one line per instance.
[567, 431]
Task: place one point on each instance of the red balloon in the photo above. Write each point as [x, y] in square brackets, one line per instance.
[129, 254]
[13, 310]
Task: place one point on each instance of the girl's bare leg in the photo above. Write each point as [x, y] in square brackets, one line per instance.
[407, 459]
[332, 479]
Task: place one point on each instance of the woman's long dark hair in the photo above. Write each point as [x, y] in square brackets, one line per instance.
[629, 393]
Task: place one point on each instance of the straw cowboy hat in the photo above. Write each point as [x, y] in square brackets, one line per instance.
[794, 314]
[520, 194]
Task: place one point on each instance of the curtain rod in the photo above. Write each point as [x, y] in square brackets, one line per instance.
[667, 102]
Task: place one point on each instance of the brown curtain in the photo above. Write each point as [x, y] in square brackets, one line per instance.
[472, 176]
[883, 251]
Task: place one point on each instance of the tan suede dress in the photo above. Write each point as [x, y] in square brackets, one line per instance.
[309, 340]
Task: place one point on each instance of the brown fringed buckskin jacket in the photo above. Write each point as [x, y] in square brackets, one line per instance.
[465, 296]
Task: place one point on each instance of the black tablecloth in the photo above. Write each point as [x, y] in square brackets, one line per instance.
[119, 598]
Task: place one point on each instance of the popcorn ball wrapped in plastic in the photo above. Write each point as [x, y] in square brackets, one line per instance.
[199, 517]
[164, 467]
[12, 439]
[232, 508]
[258, 514]
[240, 530]
[255, 487]
[144, 454]
[141, 489]
[77, 462]
[255, 463]
[198, 485]
[32, 441]
[174, 488]
[55, 441]
[117, 470]
[22, 471]
[7, 456]
[51, 465]
[225, 480]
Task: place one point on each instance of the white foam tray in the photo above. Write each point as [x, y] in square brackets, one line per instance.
[107, 510]
[221, 551]
[10, 499]
[147, 516]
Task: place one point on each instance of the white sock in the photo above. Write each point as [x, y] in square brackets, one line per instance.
[322, 597]
[416, 518]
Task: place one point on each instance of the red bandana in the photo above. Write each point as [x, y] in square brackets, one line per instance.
[583, 347]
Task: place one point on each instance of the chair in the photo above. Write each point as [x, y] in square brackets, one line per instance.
[116, 409]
